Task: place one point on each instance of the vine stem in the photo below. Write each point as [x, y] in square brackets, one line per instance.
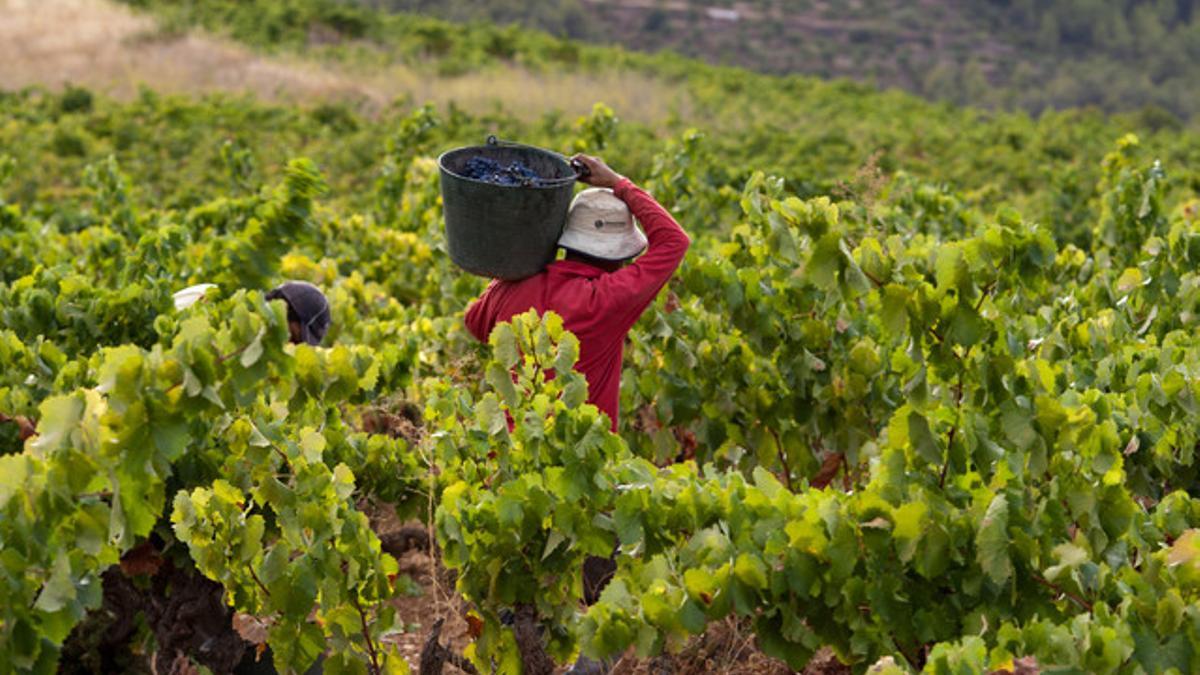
[221, 358]
[434, 656]
[366, 632]
[258, 581]
[987, 290]
[281, 453]
[958, 395]
[911, 660]
[1060, 590]
[873, 279]
[946, 464]
[787, 470]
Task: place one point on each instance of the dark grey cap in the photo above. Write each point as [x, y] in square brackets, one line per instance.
[307, 306]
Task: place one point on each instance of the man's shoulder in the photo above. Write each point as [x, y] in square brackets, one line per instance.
[561, 287]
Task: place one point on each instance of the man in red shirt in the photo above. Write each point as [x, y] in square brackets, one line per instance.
[598, 296]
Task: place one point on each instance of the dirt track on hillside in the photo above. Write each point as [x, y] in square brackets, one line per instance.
[111, 49]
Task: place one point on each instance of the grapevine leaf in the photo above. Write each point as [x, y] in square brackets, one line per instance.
[308, 369]
[171, 438]
[1184, 555]
[312, 445]
[58, 589]
[343, 481]
[191, 383]
[552, 541]
[1017, 426]
[27, 644]
[295, 647]
[140, 498]
[553, 323]
[504, 345]
[909, 526]
[750, 570]
[692, 617]
[852, 275]
[933, 557]
[770, 637]
[15, 470]
[567, 353]
[804, 576]
[629, 525]
[992, 541]
[1174, 654]
[298, 590]
[700, 583]
[965, 326]
[119, 373]
[490, 416]
[922, 439]
[826, 261]
[575, 393]
[394, 662]
[780, 239]
[274, 564]
[1070, 557]
[864, 357]
[509, 511]
[91, 527]
[254, 350]
[500, 379]
[213, 397]
[60, 418]
[1129, 280]
[257, 439]
[894, 308]
[951, 268]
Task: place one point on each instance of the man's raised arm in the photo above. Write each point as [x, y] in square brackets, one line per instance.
[631, 289]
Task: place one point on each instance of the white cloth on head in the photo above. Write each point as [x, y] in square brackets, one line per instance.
[188, 296]
[600, 224]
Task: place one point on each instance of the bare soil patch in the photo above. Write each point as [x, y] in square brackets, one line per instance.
[108, 47]
[726, 648]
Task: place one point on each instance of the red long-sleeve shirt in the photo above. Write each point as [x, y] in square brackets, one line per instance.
[598, 307]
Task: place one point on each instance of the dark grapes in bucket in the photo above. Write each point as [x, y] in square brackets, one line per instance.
[491, 171]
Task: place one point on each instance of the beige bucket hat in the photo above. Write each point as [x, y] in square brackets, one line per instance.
[599, 224]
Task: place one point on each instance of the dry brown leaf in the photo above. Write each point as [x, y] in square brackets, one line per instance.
[253, 629]
[828, 470]
[672, 302]
[474, 625]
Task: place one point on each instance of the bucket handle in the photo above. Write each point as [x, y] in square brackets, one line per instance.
[581, 170]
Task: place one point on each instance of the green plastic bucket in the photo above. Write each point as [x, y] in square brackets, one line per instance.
[505, 231]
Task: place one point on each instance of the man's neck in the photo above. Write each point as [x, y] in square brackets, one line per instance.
[606, 265]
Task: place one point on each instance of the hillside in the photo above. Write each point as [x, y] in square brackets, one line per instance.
[994, 53]
[812, 133]
[114, 51]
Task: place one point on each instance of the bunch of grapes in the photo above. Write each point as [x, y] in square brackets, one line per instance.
[491, 171]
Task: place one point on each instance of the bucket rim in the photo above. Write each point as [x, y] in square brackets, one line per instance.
[558, 183]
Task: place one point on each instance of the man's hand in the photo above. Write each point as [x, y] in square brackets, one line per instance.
[598, 174]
